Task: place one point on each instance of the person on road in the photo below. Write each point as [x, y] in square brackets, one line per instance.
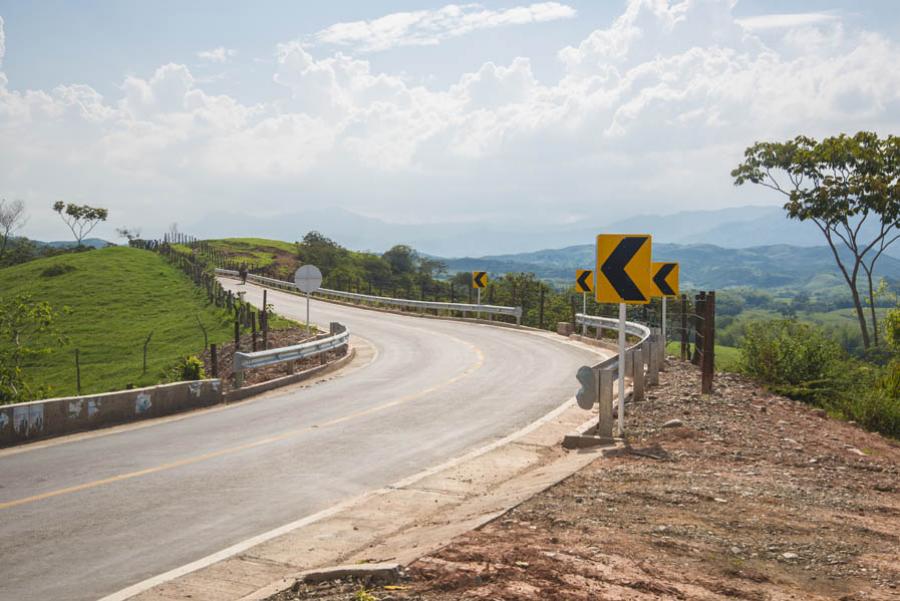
[242, 270]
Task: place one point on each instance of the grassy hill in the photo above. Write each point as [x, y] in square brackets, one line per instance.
[257, 253]
[115, 298]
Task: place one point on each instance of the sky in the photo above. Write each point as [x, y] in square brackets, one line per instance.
[528, 114]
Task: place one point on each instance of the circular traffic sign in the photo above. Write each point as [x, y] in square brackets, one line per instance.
[308, 278]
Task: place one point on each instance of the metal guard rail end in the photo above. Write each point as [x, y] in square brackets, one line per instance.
[242, 361]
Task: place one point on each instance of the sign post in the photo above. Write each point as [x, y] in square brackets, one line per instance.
[584, 281]
[623, 277]
[308, 279]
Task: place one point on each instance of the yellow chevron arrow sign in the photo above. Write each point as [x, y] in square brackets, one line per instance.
[665, 279]
[623, 269]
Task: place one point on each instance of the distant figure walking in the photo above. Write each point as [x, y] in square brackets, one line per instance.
[242, 270]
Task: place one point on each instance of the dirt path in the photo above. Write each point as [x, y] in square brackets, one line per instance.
[753, 497]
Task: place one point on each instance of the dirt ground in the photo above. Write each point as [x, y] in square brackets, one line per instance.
[747, 496]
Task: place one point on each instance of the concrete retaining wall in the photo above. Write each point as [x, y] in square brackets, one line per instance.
[54, 417]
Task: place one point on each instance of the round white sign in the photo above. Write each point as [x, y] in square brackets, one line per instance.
[308, 278]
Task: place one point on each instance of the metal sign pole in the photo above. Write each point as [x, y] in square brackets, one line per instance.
[664, 326]
[479, 303]
[307, 312]
[584, 312]
[621, 369]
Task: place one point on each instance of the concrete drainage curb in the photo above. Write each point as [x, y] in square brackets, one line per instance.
[380, 573]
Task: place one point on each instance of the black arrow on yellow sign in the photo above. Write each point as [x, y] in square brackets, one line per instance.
[614, 266]
[584, 281]
[661, 275]
[479, 279]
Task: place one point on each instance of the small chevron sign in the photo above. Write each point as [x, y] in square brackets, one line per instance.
[479, 279]
[665, 279]
[584, 280]
[623, 269]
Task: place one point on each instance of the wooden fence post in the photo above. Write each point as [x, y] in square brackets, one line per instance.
[709, 344]
[78, 371]
[699, 315]
[214, 360]
[684, 330]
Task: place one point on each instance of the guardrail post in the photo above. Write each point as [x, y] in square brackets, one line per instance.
[605, 397]
[637, 374]
[653, 371]
[662, 350]
[629, 363]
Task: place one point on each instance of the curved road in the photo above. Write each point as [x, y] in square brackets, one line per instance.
[86, 516]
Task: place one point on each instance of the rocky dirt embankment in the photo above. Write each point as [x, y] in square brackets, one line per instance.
[746, 496]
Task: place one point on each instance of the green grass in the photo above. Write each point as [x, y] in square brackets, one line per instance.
[728, 358]
[257, 251]
[115, 297]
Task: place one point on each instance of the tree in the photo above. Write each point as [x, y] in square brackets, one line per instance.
[402, 259]
[321, 251]
[131, 233]
[23, 322]
[840, 184]
[12, 218]
[81, 219]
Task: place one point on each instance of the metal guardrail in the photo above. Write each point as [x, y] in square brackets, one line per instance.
[386, 300]
[586, 373]
[242, 361]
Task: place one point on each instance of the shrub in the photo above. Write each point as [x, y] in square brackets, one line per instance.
[190, 368]
[58, 269]
[799, 361]
[873, 401]
[793, 358]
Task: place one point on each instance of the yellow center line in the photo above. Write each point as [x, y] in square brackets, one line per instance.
[257, 443]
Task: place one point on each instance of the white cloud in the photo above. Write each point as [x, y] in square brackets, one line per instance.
[217, 55]
[430, 27]
[650, 113]
[786, 20]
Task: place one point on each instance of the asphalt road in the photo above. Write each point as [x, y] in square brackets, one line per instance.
[130, 504]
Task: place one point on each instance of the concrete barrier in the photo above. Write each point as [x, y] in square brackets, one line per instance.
[24, 422]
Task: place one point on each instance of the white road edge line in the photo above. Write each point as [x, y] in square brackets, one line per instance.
[242, 546]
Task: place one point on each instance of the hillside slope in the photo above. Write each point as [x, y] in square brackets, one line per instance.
[115, 298]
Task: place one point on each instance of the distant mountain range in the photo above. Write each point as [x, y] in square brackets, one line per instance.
[740, 227]
[702, 265]
[94, 242]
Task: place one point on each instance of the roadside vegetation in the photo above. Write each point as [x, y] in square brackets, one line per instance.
[105, 303]
[801, 361]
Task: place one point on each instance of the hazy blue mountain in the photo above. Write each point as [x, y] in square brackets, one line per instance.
[94, 242]
[739, 227]
[702, 265]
